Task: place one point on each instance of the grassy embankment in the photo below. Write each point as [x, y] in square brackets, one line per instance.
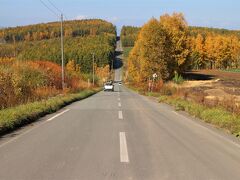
[217, 116]
[12, 118]
[233, 70]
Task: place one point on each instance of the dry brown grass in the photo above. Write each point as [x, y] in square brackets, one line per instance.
[204, 93]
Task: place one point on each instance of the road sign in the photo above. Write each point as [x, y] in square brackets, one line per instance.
[155, 75]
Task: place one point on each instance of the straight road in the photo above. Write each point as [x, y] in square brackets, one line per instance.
[119, 135]
[118, 62]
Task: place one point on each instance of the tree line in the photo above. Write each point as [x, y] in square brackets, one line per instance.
[215, 51]
[161, 48]
[129, 35]
[51, 30]
[205, 31]
[167, 46]
[83, 39]
[79, 49]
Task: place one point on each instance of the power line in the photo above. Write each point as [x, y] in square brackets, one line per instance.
[65, 17]
[49, 8]
[53, 5]
[62, 43]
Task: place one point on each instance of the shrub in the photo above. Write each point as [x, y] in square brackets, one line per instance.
[178, 79]
[167, 90]
[27, 81]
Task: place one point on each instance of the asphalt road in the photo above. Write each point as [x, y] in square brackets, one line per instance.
[119, 135]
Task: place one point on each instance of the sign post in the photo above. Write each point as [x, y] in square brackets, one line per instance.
[154, 77]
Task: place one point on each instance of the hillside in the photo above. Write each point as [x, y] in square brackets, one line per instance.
[82, 38]
[52, 30]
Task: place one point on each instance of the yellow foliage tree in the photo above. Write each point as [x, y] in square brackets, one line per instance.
[73, 68]
[199, 50]
[151, 54]
[103, 73]
[177, 29]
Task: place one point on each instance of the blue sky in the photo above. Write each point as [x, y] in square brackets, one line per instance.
[212, 13]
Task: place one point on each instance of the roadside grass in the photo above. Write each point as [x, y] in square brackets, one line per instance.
[217, 116]
[18, 116]
[232, 70]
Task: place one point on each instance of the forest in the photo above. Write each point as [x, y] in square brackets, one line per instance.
[168, 46]
[52, 30]
[79, 49]
[87, 37]
[129, 35]
[30, 59]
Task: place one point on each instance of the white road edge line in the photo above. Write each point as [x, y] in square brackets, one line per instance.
[57, 115]
[120, 115]
[123, 148]
[119, 104]
[209, 130]
[176, 113]
[26, 132]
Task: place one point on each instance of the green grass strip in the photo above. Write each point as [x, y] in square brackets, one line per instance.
[217, 116]
[232, 70]
[15, 117]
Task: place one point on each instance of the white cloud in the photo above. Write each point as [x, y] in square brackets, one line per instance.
[80, 17]
[113, 19]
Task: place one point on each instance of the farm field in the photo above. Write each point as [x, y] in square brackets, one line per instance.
[214, 87]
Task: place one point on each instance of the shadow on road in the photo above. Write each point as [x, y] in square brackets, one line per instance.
[118, 53]
[118, 61]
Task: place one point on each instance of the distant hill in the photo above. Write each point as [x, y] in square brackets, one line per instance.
[194, 30]
[51, 30]
[129, 35]
[82, 39]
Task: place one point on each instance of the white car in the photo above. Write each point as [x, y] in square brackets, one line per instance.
[108, 86]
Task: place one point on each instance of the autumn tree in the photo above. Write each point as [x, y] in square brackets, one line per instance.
[151, 54]
[103, 73]
[235, 52]
[199, 52]
[129, 35]
[216, 51]
[177, 29]
[73, 68]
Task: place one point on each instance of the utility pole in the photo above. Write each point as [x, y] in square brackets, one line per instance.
[112, 69]
[112, 64]
[93, 69]
[63, 83]
[14, 42]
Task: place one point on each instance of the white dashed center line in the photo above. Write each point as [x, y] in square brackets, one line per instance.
[123, 148]
[119, 104]
[120, 115]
